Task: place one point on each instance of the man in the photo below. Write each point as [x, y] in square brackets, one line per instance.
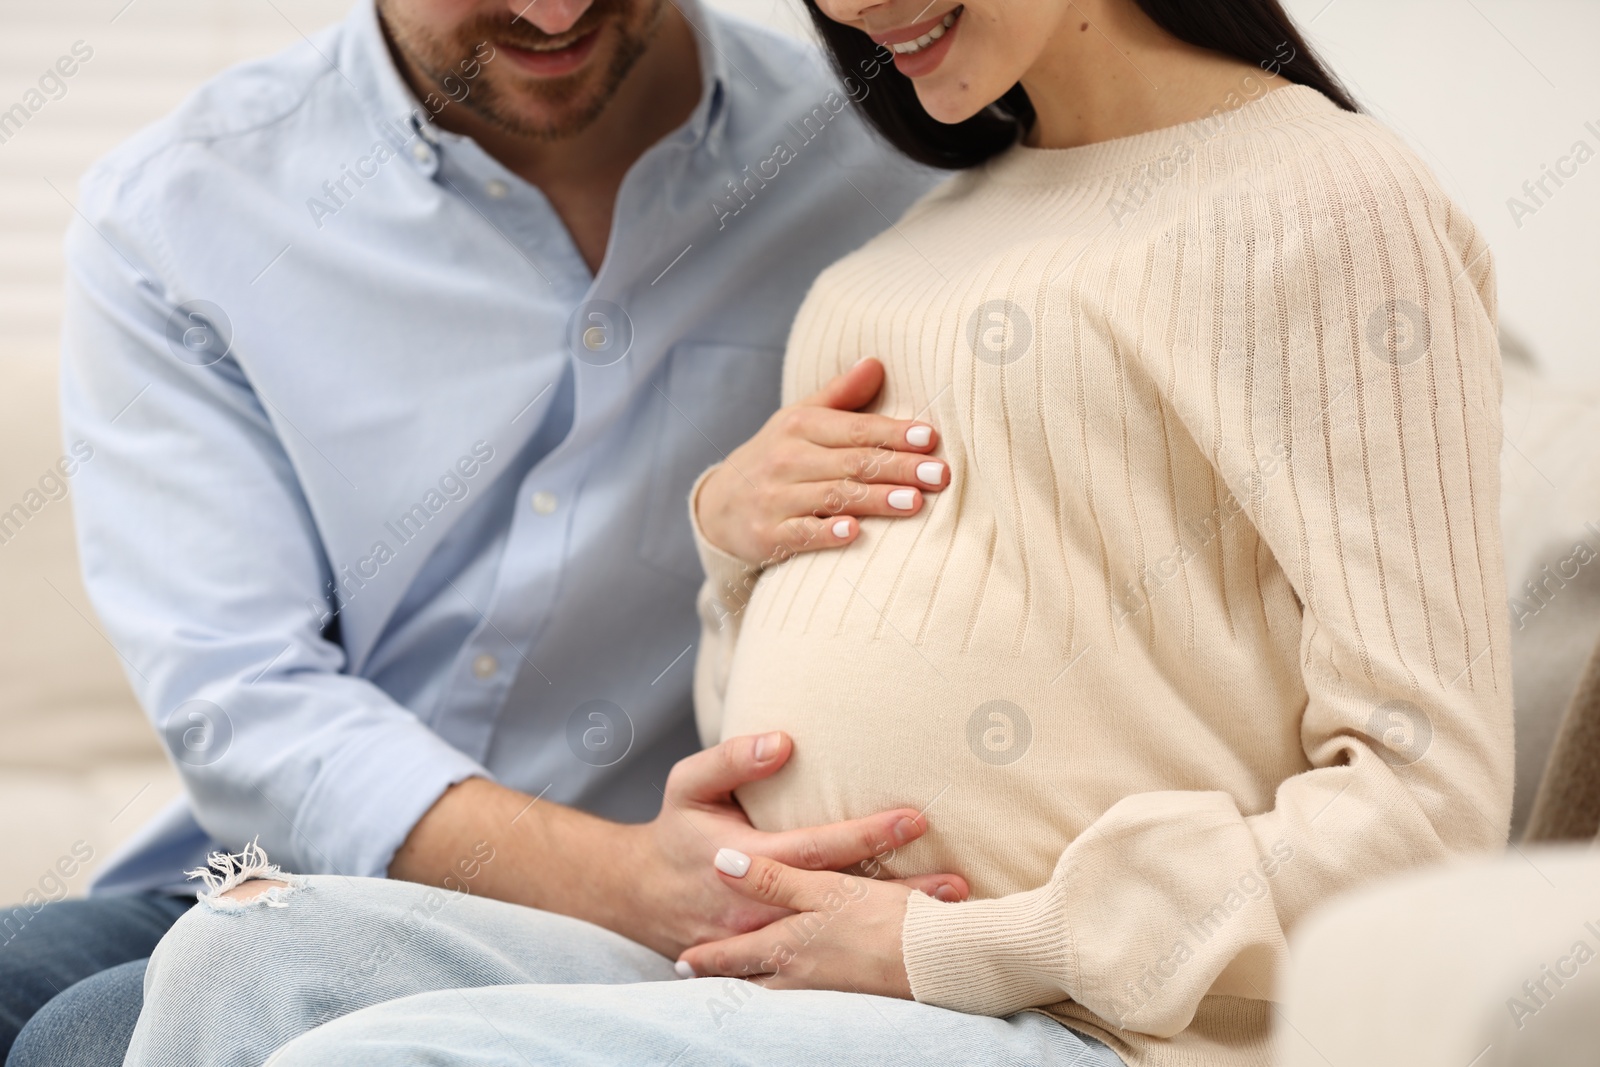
[398, 353]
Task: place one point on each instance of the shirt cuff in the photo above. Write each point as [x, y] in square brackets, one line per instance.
[729, 579]
[372, 791]
[989, 957]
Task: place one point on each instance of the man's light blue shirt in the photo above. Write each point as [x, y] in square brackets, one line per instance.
[387, 489]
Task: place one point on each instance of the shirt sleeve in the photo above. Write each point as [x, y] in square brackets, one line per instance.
[202, 558]
[727, 588]
[1383, 514]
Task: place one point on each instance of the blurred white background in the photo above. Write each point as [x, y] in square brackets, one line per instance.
[1489, 91]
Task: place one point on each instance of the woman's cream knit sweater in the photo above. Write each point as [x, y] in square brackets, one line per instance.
[1209, 624]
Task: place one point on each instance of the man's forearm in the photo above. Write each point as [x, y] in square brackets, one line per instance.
[545, 855]
[654, 883]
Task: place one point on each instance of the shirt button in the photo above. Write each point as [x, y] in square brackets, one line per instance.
[544, 503]
[496, 189]
[421, 152]
[485, 666]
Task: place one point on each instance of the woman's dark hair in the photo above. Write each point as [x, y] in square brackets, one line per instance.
[1256, 31]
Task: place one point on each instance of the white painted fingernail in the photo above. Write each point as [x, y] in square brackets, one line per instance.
[729, 862]
[919, 436]
[903, 499]
[931, 473]
[841, 528]
[683, 969]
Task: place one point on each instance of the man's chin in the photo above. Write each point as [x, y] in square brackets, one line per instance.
[547, 106]
[544, 112]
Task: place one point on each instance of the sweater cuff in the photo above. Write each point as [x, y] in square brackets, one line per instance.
[989, 957]
[729, 579]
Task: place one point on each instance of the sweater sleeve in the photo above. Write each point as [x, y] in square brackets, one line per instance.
[727, 588]
[1363, 443]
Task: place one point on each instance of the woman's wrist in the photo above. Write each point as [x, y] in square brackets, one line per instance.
[708, 513]
[987, 957]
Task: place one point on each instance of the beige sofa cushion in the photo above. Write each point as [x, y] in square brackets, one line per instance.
[1550, 501]
[80, 768]
[1490, 963]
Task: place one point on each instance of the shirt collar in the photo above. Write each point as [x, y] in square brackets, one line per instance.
[367, 64]
[710, 119]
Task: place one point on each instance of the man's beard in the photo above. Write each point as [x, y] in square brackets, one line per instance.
[572, 103]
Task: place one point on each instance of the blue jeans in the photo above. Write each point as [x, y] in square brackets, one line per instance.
[71, 976]
[366, 971]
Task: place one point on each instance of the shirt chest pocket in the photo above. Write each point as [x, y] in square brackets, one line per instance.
[715, 397]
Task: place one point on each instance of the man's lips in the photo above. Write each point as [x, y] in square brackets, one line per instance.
[548, 62]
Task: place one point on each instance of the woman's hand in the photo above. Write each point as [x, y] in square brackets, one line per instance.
[796, 484]
[845, 934]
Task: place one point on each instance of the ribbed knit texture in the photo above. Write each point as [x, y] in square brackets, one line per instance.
[1209, 625]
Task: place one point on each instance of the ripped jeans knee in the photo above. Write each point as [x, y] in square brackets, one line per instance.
[230, 877]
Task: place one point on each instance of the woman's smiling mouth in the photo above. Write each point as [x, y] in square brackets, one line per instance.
[919, 49]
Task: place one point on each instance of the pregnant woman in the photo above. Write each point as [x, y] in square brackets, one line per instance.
[1206, 626]
[1198, 623]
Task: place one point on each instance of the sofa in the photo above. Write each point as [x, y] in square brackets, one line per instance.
[79, 767]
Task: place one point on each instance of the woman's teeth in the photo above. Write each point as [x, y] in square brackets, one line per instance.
[907, 48]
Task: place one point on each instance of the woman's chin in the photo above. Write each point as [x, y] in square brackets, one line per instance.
[950, 101]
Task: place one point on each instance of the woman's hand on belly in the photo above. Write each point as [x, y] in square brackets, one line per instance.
[796, 484]
[678, 899]
[844, 935]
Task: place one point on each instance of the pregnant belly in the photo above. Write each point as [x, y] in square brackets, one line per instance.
[994, 816]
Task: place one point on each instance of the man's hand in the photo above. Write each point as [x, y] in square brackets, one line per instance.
[796, 484]
[700, 817]
[653, 883]
[844, 933]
